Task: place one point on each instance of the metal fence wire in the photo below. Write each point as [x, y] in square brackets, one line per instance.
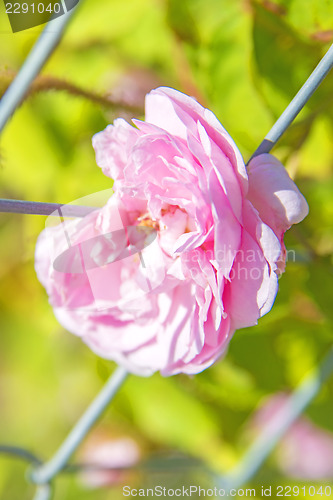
[43, 474]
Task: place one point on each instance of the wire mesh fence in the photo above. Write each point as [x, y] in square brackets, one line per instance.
[42, 474]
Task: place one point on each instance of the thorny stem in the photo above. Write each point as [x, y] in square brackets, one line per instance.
[280, 126]
[43, 83]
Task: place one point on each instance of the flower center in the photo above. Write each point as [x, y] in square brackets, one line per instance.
[147, 221]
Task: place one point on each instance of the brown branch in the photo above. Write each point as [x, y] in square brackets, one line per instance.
[45, 83]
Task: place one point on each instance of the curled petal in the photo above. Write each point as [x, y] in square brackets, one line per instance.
[276, 197]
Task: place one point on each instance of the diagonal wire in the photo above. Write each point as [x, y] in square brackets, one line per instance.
[36, 59]
[278, 129]
[248, 466]
[46, 472]
[297, 104]
[39, 208]
[265, 443]
[43, 492]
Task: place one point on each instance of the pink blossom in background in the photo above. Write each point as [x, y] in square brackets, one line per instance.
[132, 86]
[305, 451]
[213, 267]
[108, 461]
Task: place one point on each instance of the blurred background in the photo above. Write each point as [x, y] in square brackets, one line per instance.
[244, 60]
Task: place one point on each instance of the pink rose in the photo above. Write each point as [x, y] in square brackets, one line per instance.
[212, 267]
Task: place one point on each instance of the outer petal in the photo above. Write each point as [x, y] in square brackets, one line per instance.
[113, 146]
[227, 233]
[276, 197]
[177, 113]
[253, 286]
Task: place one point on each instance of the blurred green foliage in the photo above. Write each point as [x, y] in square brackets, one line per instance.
[244, 60]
